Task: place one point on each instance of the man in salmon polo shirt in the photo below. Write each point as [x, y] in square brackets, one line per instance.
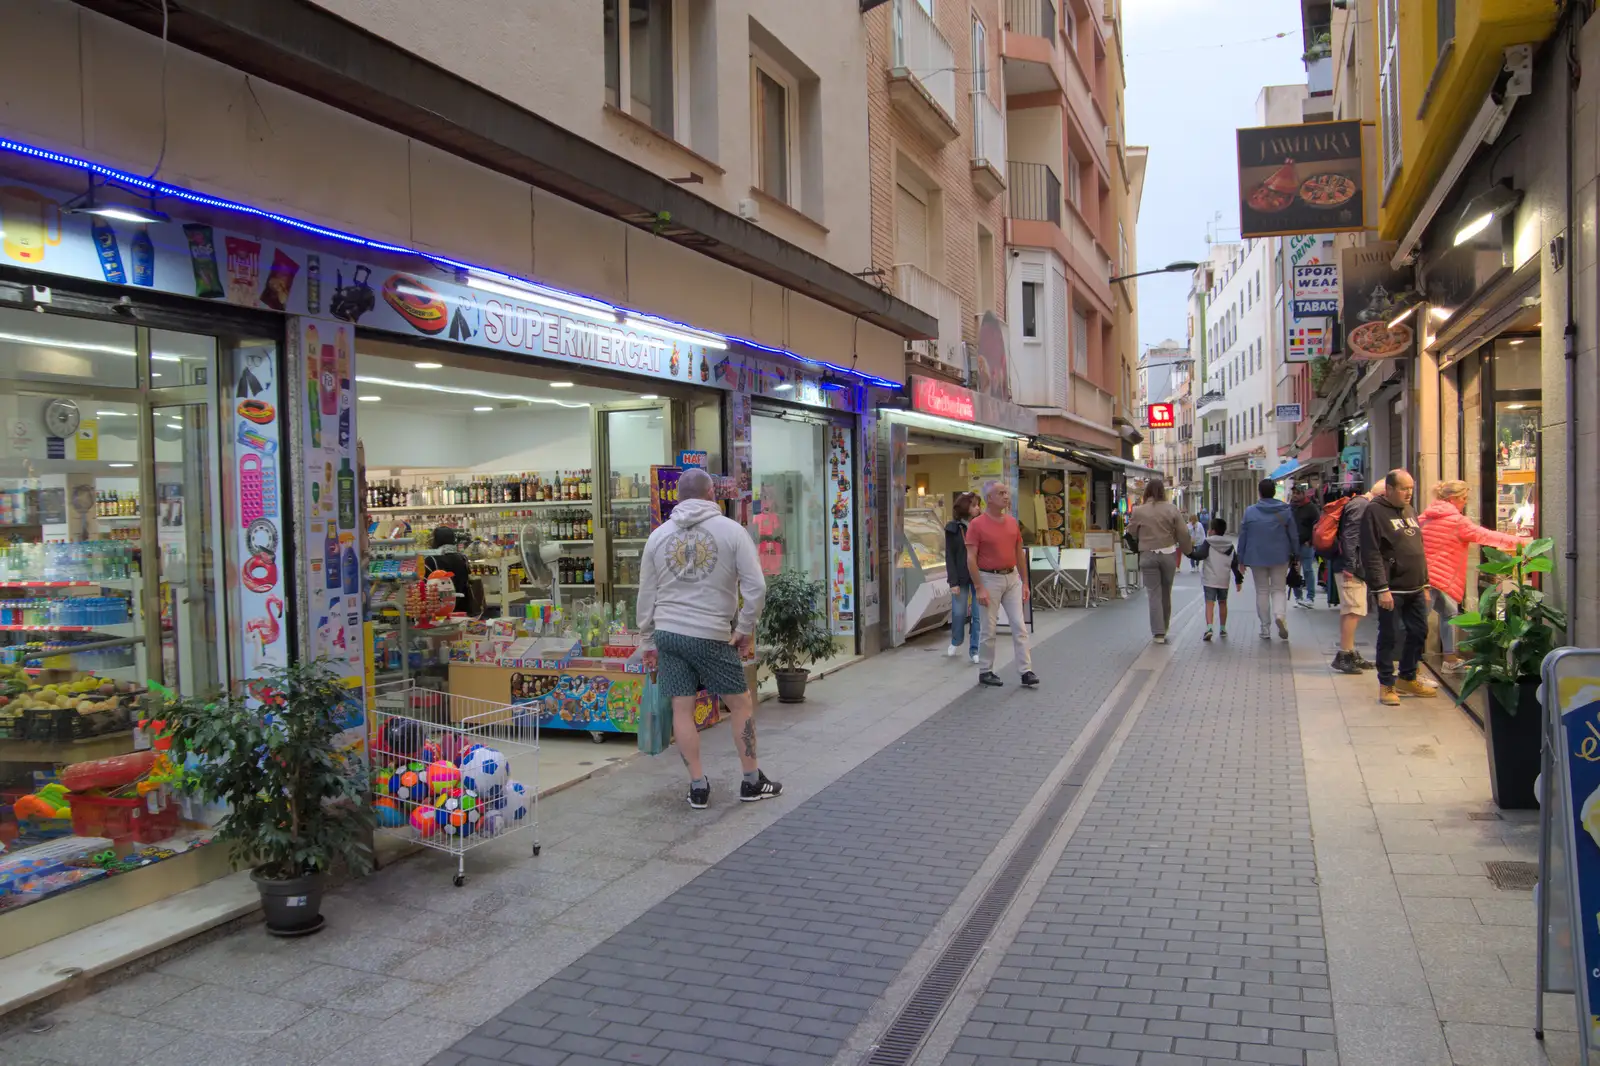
[994, 556]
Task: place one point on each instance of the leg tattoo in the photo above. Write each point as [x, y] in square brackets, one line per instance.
[749, 737]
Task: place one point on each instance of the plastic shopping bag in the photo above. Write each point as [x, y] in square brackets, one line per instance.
[655, 722]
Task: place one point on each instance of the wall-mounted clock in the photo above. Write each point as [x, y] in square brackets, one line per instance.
[61, 418]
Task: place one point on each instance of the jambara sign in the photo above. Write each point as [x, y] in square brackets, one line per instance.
[1300, 179]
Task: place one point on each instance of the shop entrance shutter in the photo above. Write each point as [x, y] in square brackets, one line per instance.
[910, 228]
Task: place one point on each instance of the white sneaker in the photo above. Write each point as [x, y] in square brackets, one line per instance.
[974, 659]
[1283, 630]
[950, 651]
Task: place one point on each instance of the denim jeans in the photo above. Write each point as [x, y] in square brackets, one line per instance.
[1446, 609]
[966, 616]
[1308, 570]
[1410, 614]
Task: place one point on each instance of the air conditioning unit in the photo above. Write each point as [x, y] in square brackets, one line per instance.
[749, 210]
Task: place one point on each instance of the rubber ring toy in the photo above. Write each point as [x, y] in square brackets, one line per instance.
[258, 411]
[259, 573]
[261, 537]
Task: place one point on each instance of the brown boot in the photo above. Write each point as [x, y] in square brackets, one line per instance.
[1416, 687]
[1388, 696]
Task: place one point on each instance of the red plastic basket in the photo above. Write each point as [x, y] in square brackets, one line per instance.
[122, 819]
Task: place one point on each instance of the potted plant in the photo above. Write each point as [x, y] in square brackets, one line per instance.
[296, 804]
[1505, 641]
[793, 631]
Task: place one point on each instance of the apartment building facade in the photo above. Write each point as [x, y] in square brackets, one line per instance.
[1072, 192]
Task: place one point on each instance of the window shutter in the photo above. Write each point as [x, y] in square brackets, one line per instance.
[911, 228]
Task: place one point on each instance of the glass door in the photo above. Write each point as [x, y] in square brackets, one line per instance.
[632, 439]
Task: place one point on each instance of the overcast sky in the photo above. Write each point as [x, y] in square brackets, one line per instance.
[1185, 98]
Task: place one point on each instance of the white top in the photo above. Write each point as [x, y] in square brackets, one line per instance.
[695, 568]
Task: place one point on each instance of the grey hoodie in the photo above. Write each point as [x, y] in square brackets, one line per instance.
[695, 567]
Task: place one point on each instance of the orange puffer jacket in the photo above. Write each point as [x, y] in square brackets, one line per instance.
[1446, 532]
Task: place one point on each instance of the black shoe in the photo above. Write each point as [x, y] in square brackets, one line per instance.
[762, 789]
[989, 677]
[1345, 663]
[1030, 679]
[700, 797]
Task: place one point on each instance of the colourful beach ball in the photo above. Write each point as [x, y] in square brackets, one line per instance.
[389, 813]
[443, 776]
[425, 821]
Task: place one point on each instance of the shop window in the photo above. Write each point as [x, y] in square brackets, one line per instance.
[44, 348]
[114, 572]
[1518, 411]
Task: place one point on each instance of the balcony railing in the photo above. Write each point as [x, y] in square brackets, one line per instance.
[1037, 18]
[1035, 192]
[921, 50]
[988, 132]
[924, 292]
[1210, 448]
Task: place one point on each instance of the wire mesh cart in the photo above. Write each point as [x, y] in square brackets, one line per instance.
[453, 773]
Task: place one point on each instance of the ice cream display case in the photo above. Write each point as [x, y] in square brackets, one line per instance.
[920, 571]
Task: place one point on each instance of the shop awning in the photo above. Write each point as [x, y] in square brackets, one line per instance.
[1285, 469]
[1111, 464]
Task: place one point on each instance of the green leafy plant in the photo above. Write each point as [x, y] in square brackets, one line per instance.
[295, 801]
[793, 631]
[1320, 366]
[1514, 627]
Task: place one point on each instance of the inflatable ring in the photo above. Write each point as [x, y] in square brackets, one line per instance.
[258, 411]
[259, 573]
[261, 538]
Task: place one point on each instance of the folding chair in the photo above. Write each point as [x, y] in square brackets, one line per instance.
[1077, 571]
[1049, 591]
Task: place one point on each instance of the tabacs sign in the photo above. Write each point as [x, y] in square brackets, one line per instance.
[1300, 179]
[1160, 416]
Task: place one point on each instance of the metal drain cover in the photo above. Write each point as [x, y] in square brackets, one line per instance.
[1513, 875]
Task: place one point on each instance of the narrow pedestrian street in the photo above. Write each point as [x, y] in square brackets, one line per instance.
[1185, 854]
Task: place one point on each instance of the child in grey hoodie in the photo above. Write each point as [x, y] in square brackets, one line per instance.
[1218, 562]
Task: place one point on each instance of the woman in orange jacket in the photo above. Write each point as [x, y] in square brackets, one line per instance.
[1446, 533]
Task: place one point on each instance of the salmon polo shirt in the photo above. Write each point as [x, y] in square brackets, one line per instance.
[996, 541]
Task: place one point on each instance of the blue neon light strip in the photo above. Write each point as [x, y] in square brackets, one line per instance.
[177, 192]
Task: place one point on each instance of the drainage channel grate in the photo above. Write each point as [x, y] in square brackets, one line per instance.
[1513, 875]
[899, 1044]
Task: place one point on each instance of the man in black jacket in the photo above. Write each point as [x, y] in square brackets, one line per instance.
[1396, 571]
[1346, 565]
[1306, 512]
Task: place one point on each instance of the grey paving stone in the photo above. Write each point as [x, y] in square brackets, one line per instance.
[780, 950]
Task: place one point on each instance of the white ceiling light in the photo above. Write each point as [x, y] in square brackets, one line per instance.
[648, 396]
[783, 386]
[483, 408]
[453, 390]
[560, 384]
[369, 399]
[84, 346]
[120, 466]
[569, 304]
[429, 366]
[114, 414]
[674, 332]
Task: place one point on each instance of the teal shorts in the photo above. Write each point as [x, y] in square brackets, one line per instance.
[685, 665]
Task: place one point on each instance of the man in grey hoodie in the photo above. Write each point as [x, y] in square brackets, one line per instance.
[1268, 542]
[696, 569]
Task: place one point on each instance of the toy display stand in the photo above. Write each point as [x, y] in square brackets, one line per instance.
[431, 782]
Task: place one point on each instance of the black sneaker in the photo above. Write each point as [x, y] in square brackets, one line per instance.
[990, 678]
[1030, 679]
[762, 789]
[1362, 664]
[700, 797]
[1345, 664]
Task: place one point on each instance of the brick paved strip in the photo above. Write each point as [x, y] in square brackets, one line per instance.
[1182, 923]
[775, 954]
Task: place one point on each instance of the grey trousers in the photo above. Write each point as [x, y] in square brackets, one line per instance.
[1156, 570]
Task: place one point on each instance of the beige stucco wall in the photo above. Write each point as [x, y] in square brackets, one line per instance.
[547, 56]
[91, 86]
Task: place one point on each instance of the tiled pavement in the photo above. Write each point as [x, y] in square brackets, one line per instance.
[1249, 801]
